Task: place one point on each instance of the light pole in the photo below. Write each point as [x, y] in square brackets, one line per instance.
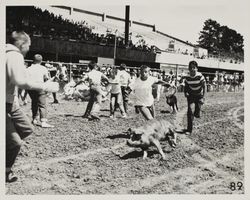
[115, 47]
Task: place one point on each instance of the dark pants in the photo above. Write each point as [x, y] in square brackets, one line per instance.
[95, 97]
[18, 127]
[38, 104]
[54, 96]
[190, 115]
[125, 95]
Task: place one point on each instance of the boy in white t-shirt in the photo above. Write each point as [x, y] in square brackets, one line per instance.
[116, 93]
[144, 100]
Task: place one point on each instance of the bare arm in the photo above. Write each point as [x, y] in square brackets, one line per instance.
[164, 83]
[105, 77]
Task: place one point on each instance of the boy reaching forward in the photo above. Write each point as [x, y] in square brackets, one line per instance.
[194, 90]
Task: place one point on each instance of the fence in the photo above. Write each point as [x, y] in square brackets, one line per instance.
[216, 81]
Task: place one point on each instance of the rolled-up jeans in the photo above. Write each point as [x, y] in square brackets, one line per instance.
[38, 104]
[18, 127]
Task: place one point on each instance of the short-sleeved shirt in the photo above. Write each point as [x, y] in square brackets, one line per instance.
[143, 91]
[14, 68]
[94, 77]
[194, 84]
[38, 73]
[115, 86]
[125, 79]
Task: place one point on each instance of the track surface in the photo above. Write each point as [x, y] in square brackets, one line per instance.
[86, 157]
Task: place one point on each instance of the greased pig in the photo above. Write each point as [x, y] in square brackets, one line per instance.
[151, 134]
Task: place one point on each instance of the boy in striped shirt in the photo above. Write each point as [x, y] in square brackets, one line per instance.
[194, 90]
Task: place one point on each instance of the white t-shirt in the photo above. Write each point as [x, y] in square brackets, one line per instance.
[38, 73]
[94, 77]
[124, 78]
[115, 86]
[143, 91]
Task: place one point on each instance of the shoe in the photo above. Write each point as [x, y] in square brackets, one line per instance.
[94, 118]
[35, 122]
[55, 101]
[188, 133]
[85, 116]
[196, 115]
[46, 125]
[9, 177]
[112, 117]
[124, 116]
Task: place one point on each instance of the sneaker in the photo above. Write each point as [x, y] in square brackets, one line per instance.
[46, 125]
[9, 177]
[35, 122]
[187, 133]
[124, 116]
[112, 117]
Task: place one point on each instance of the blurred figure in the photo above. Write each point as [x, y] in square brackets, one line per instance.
[40, 74]
[61, 75]
[18, 125]
[125, 81]
[94, 78]
[116, 95]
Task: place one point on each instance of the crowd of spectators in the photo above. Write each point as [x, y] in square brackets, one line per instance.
[42, 23]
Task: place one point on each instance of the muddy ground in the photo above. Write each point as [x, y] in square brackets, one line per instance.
[85, 157]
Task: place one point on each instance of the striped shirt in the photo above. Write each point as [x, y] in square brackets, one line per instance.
[194, 84]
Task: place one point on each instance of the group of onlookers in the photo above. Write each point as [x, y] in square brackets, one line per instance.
[42, 23]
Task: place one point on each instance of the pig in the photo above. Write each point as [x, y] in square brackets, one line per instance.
[150, 135]
[172, 102]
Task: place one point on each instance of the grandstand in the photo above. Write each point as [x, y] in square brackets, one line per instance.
[100, 37]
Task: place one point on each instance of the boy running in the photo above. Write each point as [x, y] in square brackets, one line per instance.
[194, 91]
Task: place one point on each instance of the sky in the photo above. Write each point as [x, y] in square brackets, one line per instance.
[183, 19]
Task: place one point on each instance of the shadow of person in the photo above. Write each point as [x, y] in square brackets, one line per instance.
[138, 154]
[165, 111]
[120, 135]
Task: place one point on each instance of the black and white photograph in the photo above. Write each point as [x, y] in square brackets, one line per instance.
[124, 98]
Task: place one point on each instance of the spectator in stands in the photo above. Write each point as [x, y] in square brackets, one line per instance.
[125, 80]
[40, 74]
[18, 126]
[144, 100]
[194, 91]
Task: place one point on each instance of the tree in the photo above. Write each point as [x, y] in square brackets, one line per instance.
[217, 39]
[209, 35]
